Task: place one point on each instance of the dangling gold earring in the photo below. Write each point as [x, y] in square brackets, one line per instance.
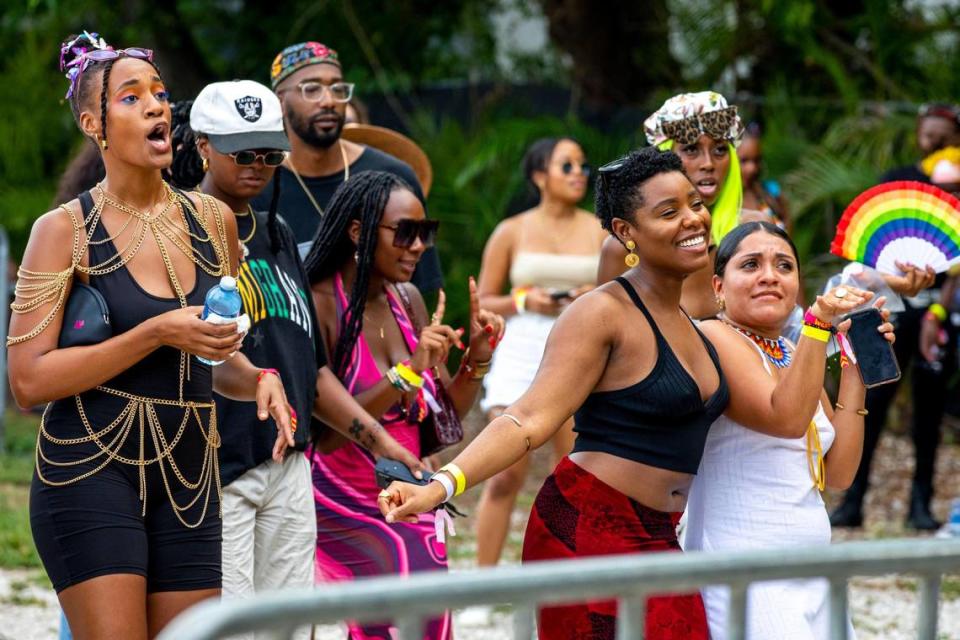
[631, 259]
[102, 142]
[205, 165]
[721, 303]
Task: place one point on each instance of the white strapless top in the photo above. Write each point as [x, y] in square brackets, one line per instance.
[553, 270]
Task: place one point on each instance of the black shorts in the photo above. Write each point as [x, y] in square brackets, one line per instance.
[95, 527]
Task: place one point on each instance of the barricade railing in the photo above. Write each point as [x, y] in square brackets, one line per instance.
[408, 602]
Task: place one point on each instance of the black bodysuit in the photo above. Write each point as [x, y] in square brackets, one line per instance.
[121, 518]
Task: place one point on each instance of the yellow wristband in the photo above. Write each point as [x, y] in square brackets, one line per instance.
[815, 333]
[458, 476]
[409, 375]
[937, 309]
[520, 300]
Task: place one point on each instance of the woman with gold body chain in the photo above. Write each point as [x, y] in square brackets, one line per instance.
[130, 425]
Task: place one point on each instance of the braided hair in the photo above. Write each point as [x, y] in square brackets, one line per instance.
[186, 170]
[80, 98]
[618, 190]
[364, 198]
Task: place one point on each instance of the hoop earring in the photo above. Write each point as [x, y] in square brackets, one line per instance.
[205, 165]
[631, 259]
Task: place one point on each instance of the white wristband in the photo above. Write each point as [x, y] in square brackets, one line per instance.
[447, 483]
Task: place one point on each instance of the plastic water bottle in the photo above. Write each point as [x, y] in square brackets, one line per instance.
[221, 306]
[952, 528]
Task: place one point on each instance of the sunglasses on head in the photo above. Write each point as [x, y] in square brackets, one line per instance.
[567, 168]
[406, 232]
[247, 157]
[715, 124]
[103, 55]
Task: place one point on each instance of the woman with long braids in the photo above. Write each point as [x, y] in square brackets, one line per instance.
[781, 441]
[125, 500]
[703, 130]
[391, 357]
[269, 526]
[644, 386]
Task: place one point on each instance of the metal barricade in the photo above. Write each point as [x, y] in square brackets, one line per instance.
[629, 579]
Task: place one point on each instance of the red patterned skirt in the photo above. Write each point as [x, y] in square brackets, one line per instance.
[576, 515]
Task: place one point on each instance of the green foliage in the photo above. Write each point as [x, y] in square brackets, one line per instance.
[16, 469]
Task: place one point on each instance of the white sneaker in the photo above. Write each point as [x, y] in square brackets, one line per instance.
[476, 616]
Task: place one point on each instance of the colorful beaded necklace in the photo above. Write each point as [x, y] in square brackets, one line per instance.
[775, 350]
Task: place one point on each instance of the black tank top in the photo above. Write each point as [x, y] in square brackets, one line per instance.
[661, 420]
[158, 374]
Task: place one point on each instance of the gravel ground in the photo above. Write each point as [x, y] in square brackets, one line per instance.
[884, 608]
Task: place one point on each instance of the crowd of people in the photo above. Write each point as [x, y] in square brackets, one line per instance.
[646, 342]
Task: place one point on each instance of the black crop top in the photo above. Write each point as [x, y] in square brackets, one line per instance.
[661, 420]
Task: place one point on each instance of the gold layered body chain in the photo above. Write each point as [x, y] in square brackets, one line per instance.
[139, 415]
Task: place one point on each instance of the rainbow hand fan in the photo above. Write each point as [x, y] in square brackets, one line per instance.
[901, 221]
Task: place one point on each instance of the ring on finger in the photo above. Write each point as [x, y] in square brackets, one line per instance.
[841, 293]
[384, 494]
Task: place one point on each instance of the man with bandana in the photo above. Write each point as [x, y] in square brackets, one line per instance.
[308, 79]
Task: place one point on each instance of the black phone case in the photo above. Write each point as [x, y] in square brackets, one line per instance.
[866, 340]
[388, 471]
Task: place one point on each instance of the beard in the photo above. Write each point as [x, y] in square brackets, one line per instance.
[305, 130]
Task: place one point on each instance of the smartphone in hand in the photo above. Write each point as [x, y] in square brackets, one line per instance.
[388, 471]
[875, 357]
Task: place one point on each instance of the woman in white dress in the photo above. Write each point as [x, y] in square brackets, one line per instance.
[762, 470]
[546, 257]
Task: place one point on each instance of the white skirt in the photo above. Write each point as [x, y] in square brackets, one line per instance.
[516, 360]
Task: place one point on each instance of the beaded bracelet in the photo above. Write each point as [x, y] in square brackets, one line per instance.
[398, 383]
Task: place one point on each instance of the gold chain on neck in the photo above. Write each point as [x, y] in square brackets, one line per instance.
[303, 185]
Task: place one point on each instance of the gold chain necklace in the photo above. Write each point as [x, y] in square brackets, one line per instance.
[303, 185]
[253, 220]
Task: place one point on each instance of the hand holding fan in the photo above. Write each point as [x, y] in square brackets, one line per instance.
[901, 222]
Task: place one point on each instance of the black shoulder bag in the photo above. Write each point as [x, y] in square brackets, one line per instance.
[440, 429]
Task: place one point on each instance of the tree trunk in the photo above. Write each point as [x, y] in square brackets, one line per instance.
[620, 49]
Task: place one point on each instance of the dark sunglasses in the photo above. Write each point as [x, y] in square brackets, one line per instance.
[567, 168]
[715, 124]
[246, 158]
[612, 167]
[406, 232]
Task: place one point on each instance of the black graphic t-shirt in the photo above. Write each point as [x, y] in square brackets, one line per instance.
[282, 336]
[303, 218]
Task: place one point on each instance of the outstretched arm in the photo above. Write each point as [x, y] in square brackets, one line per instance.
[573, 362]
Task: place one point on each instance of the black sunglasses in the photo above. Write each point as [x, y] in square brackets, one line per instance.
[406, 232]
[247, 157]
[567, 168]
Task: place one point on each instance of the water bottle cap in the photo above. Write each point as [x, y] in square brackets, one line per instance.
[228, 282]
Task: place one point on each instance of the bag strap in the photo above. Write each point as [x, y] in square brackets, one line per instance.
[408, 307]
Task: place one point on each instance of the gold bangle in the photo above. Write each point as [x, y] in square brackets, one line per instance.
[516, 421]
[860, 412]
[819, 335]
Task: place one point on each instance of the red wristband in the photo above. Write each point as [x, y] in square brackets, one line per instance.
[264, 372]
[811, 320]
